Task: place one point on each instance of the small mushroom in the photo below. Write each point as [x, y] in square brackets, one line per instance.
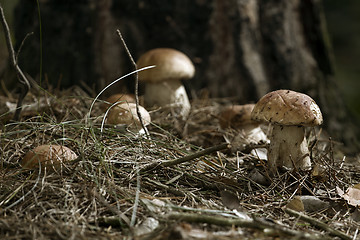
[238, 117]
[163, 83]
[289, 112]
[47, 155]
[125, 113]
[118, 97]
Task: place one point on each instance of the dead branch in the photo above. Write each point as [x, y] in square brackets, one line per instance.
[317, 224]
[156, 165]
[253, 223]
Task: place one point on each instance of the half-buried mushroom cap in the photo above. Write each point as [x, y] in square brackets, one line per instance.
[119, 97]
[125, 113]
[238, 117]
[47, 155]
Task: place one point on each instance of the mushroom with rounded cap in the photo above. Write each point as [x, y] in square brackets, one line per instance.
[238, 117]
[47, 155]
[163, 83]
[125, 113]
[118, 97]
[289, 112]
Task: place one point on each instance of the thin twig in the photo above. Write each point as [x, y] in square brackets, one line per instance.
[137, 197]
[22, 44]
[317, 224]
[138, 177]
[170, 189]
[21, 76]
[136, 81]
[108, 86]
[122, 216]
[156, 165]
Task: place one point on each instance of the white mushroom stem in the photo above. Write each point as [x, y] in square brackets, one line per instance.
[143, 131]
[288, 148]
[168, 93]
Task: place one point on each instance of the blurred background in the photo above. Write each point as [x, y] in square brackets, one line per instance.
[343, 22]
[343, 19]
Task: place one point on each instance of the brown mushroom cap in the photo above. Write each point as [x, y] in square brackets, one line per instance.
[125, 113]
[170, 64]
[236, 116]
[119, 97]
[47, 155]
[286, 107]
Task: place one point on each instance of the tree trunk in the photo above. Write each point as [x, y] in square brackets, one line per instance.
[241, 48]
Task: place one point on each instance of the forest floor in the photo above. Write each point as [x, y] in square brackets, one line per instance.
[211, 192]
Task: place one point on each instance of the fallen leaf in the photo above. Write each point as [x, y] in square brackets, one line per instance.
[296, 204]
[313, 204]
[351, 195]
[230, 200]
[356, 215]
[259, 177]
[319, 173]
[260, 153]
[147, 226]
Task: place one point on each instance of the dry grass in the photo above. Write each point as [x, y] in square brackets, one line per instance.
[95, 196]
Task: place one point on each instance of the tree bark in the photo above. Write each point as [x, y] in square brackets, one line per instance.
[241, 48]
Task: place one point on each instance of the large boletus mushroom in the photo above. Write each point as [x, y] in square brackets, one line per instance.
[289, 112]
[163, 83]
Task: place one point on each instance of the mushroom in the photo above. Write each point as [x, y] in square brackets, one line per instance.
[118, 97]
[163, 83]
[47, 155]
[238, 117]
[125, 113]
[289, 112]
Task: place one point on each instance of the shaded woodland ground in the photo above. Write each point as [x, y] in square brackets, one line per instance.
[109, 191]
[210, 192]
